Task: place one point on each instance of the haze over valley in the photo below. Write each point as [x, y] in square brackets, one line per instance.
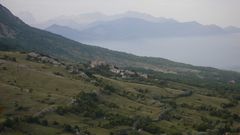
[145, 35]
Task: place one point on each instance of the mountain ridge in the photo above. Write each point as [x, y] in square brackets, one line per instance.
[130, 28]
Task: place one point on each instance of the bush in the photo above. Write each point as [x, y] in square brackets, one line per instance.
[55, 123]
[61, 110]
[9, 58]
[223, 128]
[151, 128]
[87, 104]
[31, 119]
[111, 105]
[108, 89]
[201, 127]
[68, 128]
[225, 114]
[9, 123]
[146, 124]
[232, 103]
[125, 132]
[58, 74]
[4, 68]
[118, 120]
[44, 123]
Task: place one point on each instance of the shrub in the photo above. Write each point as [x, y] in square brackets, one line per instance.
[68, 128]
[108, 89]
[44, 123]
[58, 74]
[125, 132]
[4, 68]
[60, 110]
[146, 124]
[118, 120]
[9, 58]
[55, 123]
[9, 123]
[87, 104]
[201, 127]
[31, 119]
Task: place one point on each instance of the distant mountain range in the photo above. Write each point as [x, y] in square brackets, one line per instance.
[135, 28]
[133, 25]
[81, 21]
[129, 24]
[15, 35]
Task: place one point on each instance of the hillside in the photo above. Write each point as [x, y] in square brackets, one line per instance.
[44, 95]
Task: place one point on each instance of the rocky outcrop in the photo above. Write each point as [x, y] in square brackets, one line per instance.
[73, 69]
[43, 59]
[6, 32]
[97, 63]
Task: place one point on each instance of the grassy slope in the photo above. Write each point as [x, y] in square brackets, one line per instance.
[49, 90]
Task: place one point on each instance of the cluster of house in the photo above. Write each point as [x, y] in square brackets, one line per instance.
[97, 63]
[232, 82]
[125, 73]
[75, 70]
[116, 70]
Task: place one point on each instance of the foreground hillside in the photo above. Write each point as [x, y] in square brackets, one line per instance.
[41, 95]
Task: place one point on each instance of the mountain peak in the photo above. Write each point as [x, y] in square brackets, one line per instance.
[232, 29]
[3, 9]
[130, 12]
[8, 18]
[5, 12]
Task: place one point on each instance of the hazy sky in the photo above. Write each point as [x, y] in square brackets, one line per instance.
[221, 12]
